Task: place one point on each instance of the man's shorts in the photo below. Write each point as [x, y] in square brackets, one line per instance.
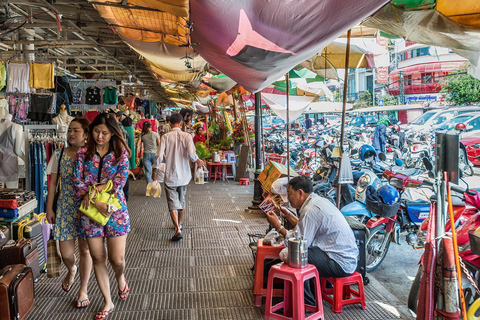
[175, 197]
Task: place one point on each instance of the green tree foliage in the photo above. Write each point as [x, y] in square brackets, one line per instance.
[364, 100]
[388, 100]
[461, 89]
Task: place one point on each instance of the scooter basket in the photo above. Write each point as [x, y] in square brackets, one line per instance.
[474, 242]
[381, 209]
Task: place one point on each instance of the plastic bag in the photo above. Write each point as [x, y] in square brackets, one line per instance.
[153, 189]
[279, 187]
[161, 173]
[345, 176]
[273, 238]
[199, 175]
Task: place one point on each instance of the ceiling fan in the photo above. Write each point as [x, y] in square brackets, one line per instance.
[9, 23]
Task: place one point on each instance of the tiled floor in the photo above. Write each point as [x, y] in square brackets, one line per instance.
[205, 276]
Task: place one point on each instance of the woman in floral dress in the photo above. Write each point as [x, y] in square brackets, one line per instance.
[66, 216]
[104, 158]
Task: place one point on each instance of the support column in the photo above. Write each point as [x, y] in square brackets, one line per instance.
[257, 191]
[28, 34]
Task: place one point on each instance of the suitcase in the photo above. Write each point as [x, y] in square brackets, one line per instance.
[32, 229]
[16, 292]
[22, 251]
[361, 240]
[9, 203]
[4, 236]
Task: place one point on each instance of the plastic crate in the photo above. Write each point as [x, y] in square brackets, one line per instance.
[381, 209]
[474, 242]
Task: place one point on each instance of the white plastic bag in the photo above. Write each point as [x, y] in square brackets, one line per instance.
[153, 189]
[345, 176]
[279, 187]
[199, 175]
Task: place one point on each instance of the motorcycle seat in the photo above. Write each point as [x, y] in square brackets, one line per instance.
[418, 202]
[409, 172]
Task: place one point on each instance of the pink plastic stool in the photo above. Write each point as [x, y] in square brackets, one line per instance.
[293, 304]
[263, 252]
[245, 181]
[342, 293]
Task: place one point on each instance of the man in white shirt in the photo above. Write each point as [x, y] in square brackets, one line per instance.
[177, 148]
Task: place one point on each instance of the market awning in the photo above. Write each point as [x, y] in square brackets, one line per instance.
[278, 104]
[447, 66]
[389, 108]
[327, 107]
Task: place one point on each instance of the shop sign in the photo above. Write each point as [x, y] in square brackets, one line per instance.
[382, 74]
[426, 98]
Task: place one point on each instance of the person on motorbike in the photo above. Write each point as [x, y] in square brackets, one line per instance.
[330, 240]
[401, 135]
[380, 135]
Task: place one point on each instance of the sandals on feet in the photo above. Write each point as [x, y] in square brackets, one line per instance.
[83, 303]
[102, 314]
[67, 286]
[123, 294]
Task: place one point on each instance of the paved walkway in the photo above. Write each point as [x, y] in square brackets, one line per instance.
[205, 276]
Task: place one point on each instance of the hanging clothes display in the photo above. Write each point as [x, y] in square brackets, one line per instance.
[146, 106]
[110, 95]
[3, 107]
[130, 101]
[41, 147]
[9, 161]
[64, 93]
[77, 91]
[92, 95]
[153, 107]
[18, 106]
[3, 75]
[18, 74]
[127, 124]
[153, 122]
[91, 115]
[41, 107]
[41, 75]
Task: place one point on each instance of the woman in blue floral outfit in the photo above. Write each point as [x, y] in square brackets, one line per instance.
[104, 158]
[66, 217]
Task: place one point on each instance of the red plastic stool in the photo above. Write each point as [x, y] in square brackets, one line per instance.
[342, 293]
[263, 253]
[293, 304]
[245, 181]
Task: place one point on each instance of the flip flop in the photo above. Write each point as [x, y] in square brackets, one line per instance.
[123, 294]
[177, 237]
[102, 314]
[66, 287]
[81, 302]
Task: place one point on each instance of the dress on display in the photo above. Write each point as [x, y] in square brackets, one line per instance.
[127, 124]
[109, 95]
[8, 158]
[92, 96]
[3, 75]
[18, 74]
[63, 123]
[41, 75]
[66, 220]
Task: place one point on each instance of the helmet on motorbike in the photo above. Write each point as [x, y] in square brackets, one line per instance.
[396, 128]
[367, 153]
[388, 194]
[460, 126]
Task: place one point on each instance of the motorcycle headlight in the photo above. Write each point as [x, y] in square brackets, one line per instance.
[397, 183]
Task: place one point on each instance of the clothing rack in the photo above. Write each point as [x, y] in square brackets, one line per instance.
[27, 130]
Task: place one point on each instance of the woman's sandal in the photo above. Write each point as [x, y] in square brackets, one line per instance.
[103, 314]
[81, 303]
[123, 294]
[67, 286]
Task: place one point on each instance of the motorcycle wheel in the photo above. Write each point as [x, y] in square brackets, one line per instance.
[414, 290]
[374, 255]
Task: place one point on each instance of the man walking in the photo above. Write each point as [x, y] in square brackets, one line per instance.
[177, 147]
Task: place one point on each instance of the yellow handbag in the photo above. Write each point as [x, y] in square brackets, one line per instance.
[104, 196]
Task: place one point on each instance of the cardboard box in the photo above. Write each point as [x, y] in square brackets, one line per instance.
[272, 171]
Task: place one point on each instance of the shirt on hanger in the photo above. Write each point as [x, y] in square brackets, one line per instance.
[41, 75]
[3, 107]
[110, 95]
[40, 107]
[92, 95]
[18, 75]
[3, 75]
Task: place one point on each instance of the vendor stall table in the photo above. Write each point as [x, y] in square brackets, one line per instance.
[214, 170]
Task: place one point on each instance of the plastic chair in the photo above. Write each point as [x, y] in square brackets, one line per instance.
[342, 292]
[263, 253]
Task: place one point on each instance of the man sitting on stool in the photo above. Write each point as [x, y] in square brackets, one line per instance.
[331, 244]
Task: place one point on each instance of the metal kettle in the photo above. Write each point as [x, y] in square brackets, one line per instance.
[297, 251]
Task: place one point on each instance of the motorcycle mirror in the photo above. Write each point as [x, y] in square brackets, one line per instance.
[382, 156]
[427, 164]
[431, 175]
[399, 162]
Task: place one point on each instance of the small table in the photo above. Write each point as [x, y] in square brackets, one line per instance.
[218, 166]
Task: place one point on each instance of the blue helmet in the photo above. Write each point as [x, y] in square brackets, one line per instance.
[388, 194]
[367, 152]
